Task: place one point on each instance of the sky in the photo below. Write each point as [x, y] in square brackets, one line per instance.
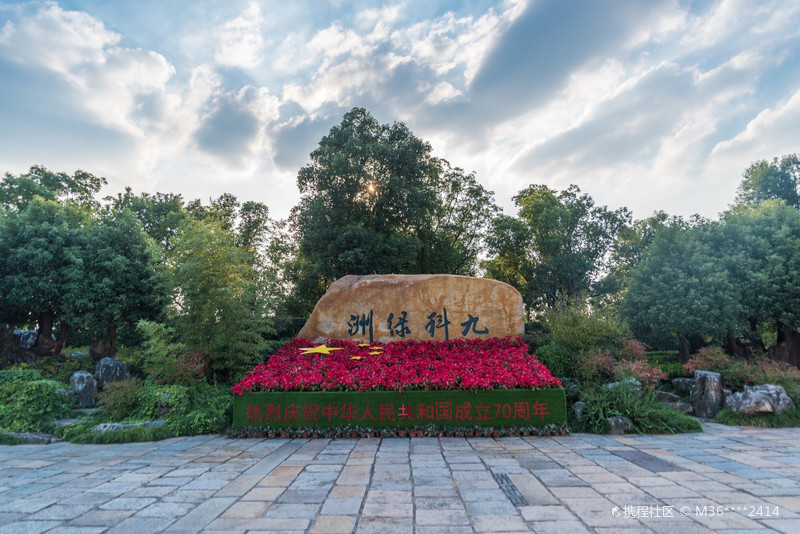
[647, 104]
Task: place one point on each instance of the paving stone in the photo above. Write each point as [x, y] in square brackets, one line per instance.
[350, 506]
[385, 525]
[499, 523]
[334, 524]
[128, 503]
[101, 518]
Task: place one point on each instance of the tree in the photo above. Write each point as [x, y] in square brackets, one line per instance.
[373, 200]
[455, 237]
[557, 246]
[16, 192]
[679, 288]
[217, 308]
[38, 245]
[110, 280]
[779, 179]
[161, 214]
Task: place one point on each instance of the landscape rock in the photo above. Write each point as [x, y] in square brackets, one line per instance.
[78, 355]
[85, 387]
[683, 384]
[666, 396]
[766, 398]
[110, 370]
[27, 338]
[684, 407]
[629, 381]
[578, 408]
[436, 307]
[105, 427]
[34, 438]
[706, 394]
[618, 425]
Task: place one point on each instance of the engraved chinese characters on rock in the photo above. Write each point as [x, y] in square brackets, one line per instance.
[360, 325]
[385, 308]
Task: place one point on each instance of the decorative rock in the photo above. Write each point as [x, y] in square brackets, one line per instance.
[666, 396]
[684, 407]
[629, 382]
[78, 355]
[766, 398]
[683, 384]
[85, 388]
[34, 438]
[105, 427]
[618, 425]
[110, 370]
[578, 408]
[424, 307]
[706, 393]
[27, 338]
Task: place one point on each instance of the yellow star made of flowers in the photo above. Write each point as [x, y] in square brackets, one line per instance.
[322, 349]
[363, 344]
[375, 353]
[356, 357]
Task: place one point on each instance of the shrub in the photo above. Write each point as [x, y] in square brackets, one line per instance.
[167, 361]
[597, 367]
[32, 406]
[648, 375]
[641, 407]
[581, 331]
[787, 419]
[557, 358]
[708, 359]
[120, 400]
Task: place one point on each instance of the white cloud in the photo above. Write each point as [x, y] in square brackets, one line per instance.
[240, 42]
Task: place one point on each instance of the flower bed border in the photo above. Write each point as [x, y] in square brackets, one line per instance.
[375, 411]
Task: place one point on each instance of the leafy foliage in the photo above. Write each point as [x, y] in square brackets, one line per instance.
[29, 404]
[641, 407]
[555, 248]
[779, 179]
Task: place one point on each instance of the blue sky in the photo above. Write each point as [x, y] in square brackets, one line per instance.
[649, 104]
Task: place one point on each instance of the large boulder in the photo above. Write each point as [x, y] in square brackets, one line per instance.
[110, 370]
[683, 384]
[707, 398]
[766, 398]
[27, 338]
[437, 307]
[618, 424]
[85, 387]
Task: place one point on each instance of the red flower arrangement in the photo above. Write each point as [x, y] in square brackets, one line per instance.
[496, 363]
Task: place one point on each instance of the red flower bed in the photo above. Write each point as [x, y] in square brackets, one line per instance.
[411, 365]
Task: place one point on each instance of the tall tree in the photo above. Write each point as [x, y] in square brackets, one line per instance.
[161, 214]
[38, 245]
[779, 179]
[79, 189]
[374, 200]
[215, 298]
[557, 246]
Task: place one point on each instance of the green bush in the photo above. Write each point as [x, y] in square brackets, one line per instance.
[647, 414]
[579, 330]
[19, 374]
[32, 406]
[166, 361]
[557, 359]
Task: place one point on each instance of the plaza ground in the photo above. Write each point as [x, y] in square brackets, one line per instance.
[726, 479]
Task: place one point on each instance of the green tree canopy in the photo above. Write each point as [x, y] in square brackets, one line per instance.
[779, 179]
[79, 189]
[556, 247]
[374, 200]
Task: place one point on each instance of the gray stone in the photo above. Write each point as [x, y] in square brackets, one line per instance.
[85, 388]
[27, 338]
[578, 408]
[707, 399]
[110, 370]
[766, 398]
[683, 384]
[666, 396]
[629, 382]
[105, 427]
[78, 355]
[618, 424]
[34, 438]
[684, 407]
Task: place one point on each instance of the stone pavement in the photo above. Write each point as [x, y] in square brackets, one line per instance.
[726, 479]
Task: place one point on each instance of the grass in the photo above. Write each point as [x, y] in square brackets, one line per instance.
[787, 419]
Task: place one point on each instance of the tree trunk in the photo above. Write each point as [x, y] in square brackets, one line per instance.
[61, 340]
[8, 340]
[44, 342]
[787, 348]
[685, 351]
[105, 346]
[737, 349]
